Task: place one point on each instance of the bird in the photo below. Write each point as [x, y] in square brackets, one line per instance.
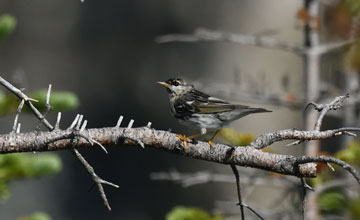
[196, 109]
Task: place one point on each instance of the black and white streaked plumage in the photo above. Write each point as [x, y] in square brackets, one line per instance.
[197, 109]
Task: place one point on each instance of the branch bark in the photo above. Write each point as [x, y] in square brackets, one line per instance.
[157, 139]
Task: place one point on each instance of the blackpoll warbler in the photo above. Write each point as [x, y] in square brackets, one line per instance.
[197, 109]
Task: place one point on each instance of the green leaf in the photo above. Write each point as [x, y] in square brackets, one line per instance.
[45, 164]
[7, 25]
[25, 165]
[187, 213]
[236, 138]
[332, 202]
[351, 154]
[59, 101]
[36, 216]
[355, 208]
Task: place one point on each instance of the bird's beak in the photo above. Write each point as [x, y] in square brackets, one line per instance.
[163, 84]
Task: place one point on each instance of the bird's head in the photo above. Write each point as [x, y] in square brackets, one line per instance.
[176, 87]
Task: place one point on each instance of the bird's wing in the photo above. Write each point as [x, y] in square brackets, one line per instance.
[205, 104]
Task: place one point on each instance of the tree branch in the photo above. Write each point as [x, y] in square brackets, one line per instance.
[203, 34]
[157, 139]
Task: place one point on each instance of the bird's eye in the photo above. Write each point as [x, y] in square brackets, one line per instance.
[176, 83]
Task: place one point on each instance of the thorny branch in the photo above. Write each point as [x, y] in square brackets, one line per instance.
[77, 136]
[74, 132]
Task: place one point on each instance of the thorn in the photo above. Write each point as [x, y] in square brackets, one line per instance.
[57, 124]
[83, 126]
[119, 121]
[331, 167]
[18, 128]
[293, 143]
[350, 133]
[148, 124]
[48, 97]
[31, 100]
[74, 122]
[100, 145]
[130, 124]
[307, 186]
[79, 122]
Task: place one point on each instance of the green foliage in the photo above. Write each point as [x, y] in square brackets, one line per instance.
[352, 5]
[351, 154]
[7, 25]
[332, 202]
[235, 138]
[355, 209]
[25, 165]
[59, 101]
[187, 213]
[36, 216]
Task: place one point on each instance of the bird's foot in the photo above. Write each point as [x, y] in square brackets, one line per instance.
[210, 143]
[183, 138]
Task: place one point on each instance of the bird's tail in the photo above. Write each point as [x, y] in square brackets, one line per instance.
[257, 110]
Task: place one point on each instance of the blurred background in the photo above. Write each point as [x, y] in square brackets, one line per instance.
[105, 52]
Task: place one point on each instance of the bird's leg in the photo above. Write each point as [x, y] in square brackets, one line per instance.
[211, 139]
[185, 139]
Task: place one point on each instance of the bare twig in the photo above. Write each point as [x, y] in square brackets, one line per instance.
[324, 108]
[267, 139]
[253, 211]
[204, 177]
[95, 178]
[325, 159]
[237, 178]
[303, 205]
[203, 34]
[21, 105]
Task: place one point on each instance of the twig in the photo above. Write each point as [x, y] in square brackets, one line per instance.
[325, 159]
[204, 177]
[95, 178]
[267, 139]
[21, 105]
[237, 178]
[253, 211]
[324, 108]
[303, 205]
[203, 34]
